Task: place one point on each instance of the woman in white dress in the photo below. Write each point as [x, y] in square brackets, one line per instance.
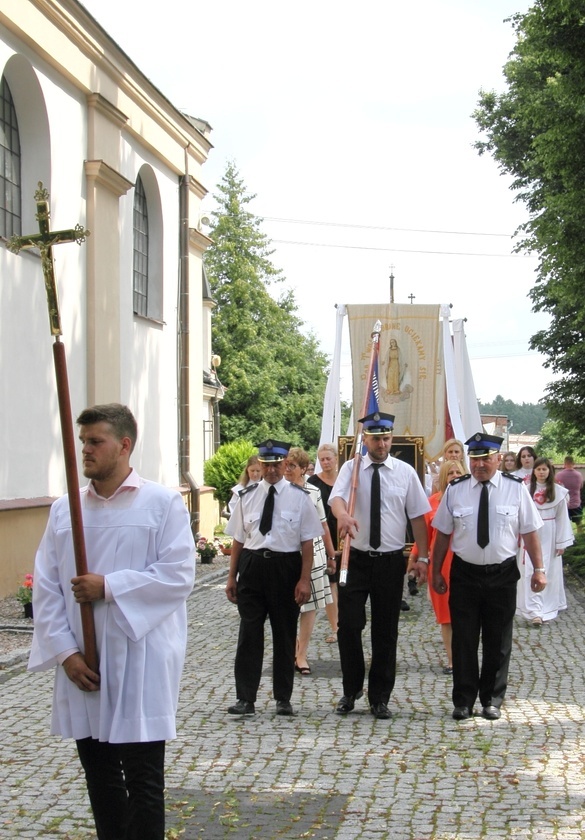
[555, 535]
[295, 469]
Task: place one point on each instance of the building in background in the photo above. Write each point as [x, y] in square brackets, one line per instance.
[497, 424]
[118, 158]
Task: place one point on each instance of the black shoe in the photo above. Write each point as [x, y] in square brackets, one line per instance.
[491, 713]
[283, 707]
[380, 711]
[242, 707]
[347, 702]
[404, 606]
[461, 713]
[412, 586]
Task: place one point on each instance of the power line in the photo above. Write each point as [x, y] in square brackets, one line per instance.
[503, 356]
[382, 227]
[397, 250]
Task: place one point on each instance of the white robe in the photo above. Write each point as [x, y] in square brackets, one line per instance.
[143, 544]
[555, 534]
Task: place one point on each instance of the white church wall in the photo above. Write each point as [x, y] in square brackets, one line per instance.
[36, 467]
[90, 123]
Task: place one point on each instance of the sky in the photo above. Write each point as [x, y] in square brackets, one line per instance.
[352, 124]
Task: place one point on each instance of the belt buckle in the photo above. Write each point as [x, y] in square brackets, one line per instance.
[375, 553]
[267, 553]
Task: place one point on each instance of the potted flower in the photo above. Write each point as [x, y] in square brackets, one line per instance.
[226, 545]
[206, 550]
[25, 595]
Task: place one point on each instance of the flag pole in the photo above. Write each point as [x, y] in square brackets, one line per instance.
[357, 447]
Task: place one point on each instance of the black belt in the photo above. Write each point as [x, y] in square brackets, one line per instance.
[268, 554]
[399, 553]
[489, 568]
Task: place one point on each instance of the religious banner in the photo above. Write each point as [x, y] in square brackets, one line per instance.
[411, 377]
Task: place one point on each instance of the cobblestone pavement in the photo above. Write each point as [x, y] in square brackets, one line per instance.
[419, 776]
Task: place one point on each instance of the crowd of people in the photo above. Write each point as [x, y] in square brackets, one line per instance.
[496, 526]
[477, 586]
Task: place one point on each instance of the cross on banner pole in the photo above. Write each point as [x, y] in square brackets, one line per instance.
[44, 241]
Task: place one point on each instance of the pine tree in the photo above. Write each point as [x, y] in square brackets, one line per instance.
[274, 374]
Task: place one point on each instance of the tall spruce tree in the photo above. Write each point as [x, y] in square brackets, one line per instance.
[535, 132]
[274, 374]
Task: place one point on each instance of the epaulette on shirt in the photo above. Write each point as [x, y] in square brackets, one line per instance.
[298, 486]
[459, 479]
[513, 477]
[247, 489]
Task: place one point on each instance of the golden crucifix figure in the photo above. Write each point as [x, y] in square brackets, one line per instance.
[44, 241]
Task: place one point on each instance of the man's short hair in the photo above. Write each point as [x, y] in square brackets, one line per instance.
[569, 459]
[119, 417]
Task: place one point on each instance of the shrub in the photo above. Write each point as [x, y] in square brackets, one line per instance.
[225, 468]
[574, 556]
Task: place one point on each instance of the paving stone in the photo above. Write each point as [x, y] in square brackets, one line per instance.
[419, 776]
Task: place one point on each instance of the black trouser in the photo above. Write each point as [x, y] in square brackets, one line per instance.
[266, 588]
[125, 783]
[381, 579]
[482, 601]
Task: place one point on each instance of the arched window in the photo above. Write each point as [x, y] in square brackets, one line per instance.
[140, 282]
[10, 182]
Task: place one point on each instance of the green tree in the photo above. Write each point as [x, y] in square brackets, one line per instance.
[559, 439]
[535, 132]
[274, 374]
[525, 417]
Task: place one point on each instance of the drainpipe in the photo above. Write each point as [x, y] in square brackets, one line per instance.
[183, 331]
[216, 425]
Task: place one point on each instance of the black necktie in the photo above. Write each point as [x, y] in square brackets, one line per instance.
[266, 521]
[375, 508]
[483, 517]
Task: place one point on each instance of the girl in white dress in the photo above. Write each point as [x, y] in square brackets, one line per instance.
[555, 535]
[525, 463]
[252, 473]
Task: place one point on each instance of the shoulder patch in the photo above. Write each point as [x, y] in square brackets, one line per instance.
[298, 487]
[513, 477]
[248, 489]
[459, 479]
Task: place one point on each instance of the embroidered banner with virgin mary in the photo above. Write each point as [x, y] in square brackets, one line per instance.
[411, 370]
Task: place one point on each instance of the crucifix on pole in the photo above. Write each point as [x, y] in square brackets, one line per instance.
[44, 241]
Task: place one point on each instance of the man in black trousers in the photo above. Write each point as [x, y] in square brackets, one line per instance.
[389, 490]
[482, 516]
[273, 526]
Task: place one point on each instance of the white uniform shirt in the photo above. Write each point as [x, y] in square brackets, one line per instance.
[140, 540]
[401, 494]
[294, 520]
[511, 513]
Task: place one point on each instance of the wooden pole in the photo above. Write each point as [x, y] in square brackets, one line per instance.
[67, 432]
[357, 458]
[44, 242]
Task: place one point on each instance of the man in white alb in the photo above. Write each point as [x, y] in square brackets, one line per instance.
[141, 557]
